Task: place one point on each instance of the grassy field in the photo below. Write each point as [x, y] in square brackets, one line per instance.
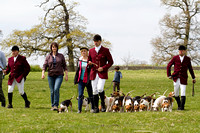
[39, 118]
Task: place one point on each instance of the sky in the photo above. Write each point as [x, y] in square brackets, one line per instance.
[129, 25]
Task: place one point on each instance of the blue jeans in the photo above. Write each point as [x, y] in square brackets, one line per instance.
[54, 85]
[81, 87]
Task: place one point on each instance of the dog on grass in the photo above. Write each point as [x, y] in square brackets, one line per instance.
[64, 105]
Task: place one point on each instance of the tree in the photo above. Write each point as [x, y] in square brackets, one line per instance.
[130, 61]
[62, 24]
[179, 29]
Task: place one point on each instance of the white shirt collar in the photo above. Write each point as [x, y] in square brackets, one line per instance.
[97, 48]
[181, 58]
[15, 58]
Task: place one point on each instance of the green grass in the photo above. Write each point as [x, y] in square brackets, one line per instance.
[39, 118]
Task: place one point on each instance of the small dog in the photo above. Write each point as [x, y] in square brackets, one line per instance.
[128, 102]
[64, 105]
[109, 101]
[86, 103]
[146, 103]
[167, 104]
[117, 94]
[118, 104]
[136, 102]
[158, 102]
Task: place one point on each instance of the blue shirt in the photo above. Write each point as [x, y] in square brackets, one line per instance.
[2, 60]
[117, 76]
[83, 66]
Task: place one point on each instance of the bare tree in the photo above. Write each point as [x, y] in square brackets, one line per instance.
[62, 24]
[128, 60]
[180, 29]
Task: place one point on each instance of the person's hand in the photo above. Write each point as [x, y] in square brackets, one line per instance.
[43, 76]
[4, 71]
[194, 81]
[90, 63]
[66, 78]
[100, 69]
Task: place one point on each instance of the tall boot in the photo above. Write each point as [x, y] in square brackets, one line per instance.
[92, 102]
[27, 102]
[10, 96]
[96, 103]
[102, 96]
[183, 99]
[178, 102]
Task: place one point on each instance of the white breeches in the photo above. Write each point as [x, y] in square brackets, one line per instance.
[19, 85]
[178, 85]
[97, 85]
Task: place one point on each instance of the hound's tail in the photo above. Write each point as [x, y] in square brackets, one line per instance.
[153, 94]
[72, 97]
[143, 95]
[165, 92]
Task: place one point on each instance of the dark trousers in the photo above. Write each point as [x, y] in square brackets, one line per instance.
[81, 87]
[116, 84]
[2, 97]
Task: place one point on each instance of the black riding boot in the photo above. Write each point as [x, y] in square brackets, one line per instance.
[102, 96]
[96, 103]
[92, 102]
[27, 102]
[10, 95]
[178, 102]
[183, 99]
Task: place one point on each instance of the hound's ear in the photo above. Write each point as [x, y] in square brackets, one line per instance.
[162, 105]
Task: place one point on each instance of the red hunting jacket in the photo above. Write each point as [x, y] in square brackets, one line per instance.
[103, 59]
[180, 69]
[18, 69]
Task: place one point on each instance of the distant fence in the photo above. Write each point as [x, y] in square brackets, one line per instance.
[145, 67]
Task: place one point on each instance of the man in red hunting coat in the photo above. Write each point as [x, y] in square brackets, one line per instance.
[18, 68]
[100, 61]
[181, 64]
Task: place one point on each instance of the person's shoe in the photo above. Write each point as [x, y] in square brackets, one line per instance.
[52, 108]
[103, 109]
[179, 108]
[79, 112]
[3, 104]
[9, 106]
[96, 110]
[27, 104]
[92, 111]
[55, 108]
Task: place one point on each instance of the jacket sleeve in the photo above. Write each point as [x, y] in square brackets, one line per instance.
[8, 68]
[45, 65]
[110, 61]
[26, 67]
[169, 67]
[191, 69]
[64, 63]
[76, 74]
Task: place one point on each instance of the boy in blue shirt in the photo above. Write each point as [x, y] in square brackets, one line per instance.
[116, 80]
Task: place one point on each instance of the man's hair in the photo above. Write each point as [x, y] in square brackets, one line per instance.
[97, 38]
[15, 48]
[117, 68]
[182, 47]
